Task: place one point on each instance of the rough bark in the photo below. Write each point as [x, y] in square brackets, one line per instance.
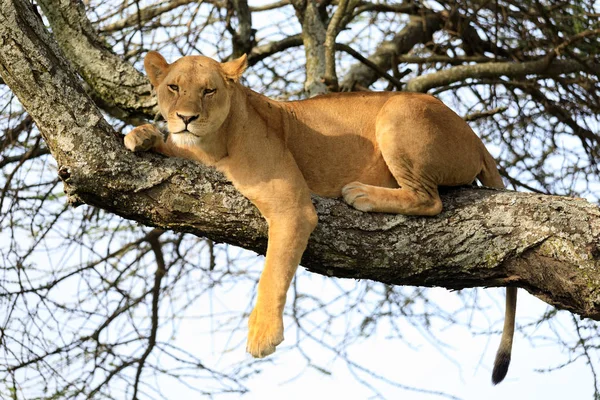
[547, 245]
[313, 37]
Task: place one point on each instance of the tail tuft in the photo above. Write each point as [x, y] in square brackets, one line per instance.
[500, 366]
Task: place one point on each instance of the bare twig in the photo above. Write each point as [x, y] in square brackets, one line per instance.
[153, 239]
[484, 114]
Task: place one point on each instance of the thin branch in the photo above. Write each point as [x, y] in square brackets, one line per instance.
[28, 155]
[261, 52]
[161, 270]
[10, 135]
[420, 29]
[573, 39]
[382, 73]
[332, 31]
[146, 14]
[495, 69]
[484, 114]
[408, 8]
[272, 6]
[149, 13]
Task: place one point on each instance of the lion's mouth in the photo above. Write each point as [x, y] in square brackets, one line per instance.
[197, 128]
[184, 132]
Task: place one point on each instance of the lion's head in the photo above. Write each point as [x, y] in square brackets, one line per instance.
[194, 92]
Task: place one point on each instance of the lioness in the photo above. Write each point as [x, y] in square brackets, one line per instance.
[383, 152]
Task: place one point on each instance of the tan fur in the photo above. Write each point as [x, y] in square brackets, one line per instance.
[384, 152]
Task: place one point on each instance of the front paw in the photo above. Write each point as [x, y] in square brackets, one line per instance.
[142, 138]
[265, 332]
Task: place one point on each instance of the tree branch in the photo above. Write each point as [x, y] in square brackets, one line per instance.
[333, 29]
[484, 114]
[243, 37]
[261, 52]
[382, 73]
[146, 14]
[116, 85]
[149, 13]
[161, 270]
[313, 38]
[419, 30]
[548, 245]
[496, 69]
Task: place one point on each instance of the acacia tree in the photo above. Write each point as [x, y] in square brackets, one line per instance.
[91, 287]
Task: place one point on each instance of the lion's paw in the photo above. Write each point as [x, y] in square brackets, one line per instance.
[142, 138]
[265, 332]
[357, 195]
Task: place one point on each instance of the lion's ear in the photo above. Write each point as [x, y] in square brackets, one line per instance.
[156, 67]
[235, 68]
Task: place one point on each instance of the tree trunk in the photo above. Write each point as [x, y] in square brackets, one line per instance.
[548, 245]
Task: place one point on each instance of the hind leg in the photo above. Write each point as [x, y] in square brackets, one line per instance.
[403, 200]
[414, 154]
[416, 195]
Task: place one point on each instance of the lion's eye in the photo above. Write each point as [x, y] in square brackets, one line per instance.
[174, 88]
[208, 92]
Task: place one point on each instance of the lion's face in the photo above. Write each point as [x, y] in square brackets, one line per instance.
[193, 93]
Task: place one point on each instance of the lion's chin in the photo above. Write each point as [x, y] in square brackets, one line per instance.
[185, 138]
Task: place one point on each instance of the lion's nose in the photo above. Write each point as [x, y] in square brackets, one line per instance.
[187, 118]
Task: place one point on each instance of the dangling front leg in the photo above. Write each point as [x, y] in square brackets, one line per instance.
[288, 236]
[275, 185]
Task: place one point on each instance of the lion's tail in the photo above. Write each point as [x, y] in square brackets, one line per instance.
[503, 355]
[490, 177]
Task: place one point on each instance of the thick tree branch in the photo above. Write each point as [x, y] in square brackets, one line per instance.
[116, 85]
[313, 38]
[243, 37]
[548, 245]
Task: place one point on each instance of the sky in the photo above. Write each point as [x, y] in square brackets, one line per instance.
[459, 367]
